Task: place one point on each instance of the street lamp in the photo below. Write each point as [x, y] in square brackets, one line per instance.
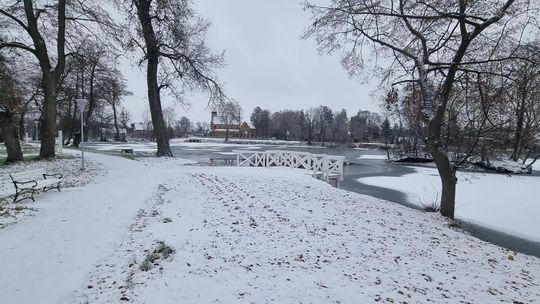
[81, 103]
[288, 135]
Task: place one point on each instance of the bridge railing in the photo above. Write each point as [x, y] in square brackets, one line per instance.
[322, 166]
[251, 158]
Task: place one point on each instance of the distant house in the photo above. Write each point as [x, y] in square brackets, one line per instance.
[247, 130]
[141, 130]
[219, 129]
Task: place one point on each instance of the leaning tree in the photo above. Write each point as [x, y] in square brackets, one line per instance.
[430, 43]
[171, 38]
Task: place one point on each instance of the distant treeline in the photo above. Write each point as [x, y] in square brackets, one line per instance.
[321, 124]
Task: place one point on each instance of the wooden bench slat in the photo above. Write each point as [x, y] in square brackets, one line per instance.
[47, 182]
[25, 175]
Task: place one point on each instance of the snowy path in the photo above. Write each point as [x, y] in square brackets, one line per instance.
[48, 256]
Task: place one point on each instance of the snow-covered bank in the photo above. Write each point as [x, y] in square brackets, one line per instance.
[500, 202]
[246, 235]
[370, 156]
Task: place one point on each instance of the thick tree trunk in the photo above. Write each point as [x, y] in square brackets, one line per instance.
[48, 123]
[447, 172]
[152, 54]
[50, 75]
[448, 181]
[116, 128]
[160, 131]
[8, 129]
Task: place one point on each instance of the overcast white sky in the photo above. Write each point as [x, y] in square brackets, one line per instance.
[268, 65]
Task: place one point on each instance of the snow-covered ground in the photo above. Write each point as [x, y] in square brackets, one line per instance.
[158, 231]
[370, 156]
[506, 203]
[72, 177]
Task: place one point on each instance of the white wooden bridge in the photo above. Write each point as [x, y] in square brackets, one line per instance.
[326, 167]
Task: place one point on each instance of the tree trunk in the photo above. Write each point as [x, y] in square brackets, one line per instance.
[448, 181]
[116, 128]
[22, 128]
[152, 54]
[8, 129]
[310, 131]
[50, 75]
[91, 101]
[520, 117]
[48, 123]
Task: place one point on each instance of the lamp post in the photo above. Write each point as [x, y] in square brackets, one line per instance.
[81, 103]
[288, 135]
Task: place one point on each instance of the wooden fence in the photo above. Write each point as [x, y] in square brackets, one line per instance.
[326, 167]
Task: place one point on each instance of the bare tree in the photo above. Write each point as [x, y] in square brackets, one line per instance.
[523, 98]
[323, 121]
[432, 44]
[230, 113]
[310, 117]
[184, 127]
[113, 87]
[340, 126]
[172, 39]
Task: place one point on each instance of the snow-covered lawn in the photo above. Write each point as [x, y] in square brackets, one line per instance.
[72, 177]
[506, 203]
[158, 231]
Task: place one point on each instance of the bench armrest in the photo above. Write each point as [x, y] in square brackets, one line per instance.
[23, 183]
[57, 175]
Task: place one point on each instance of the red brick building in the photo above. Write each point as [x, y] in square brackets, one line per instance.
[219, 129]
